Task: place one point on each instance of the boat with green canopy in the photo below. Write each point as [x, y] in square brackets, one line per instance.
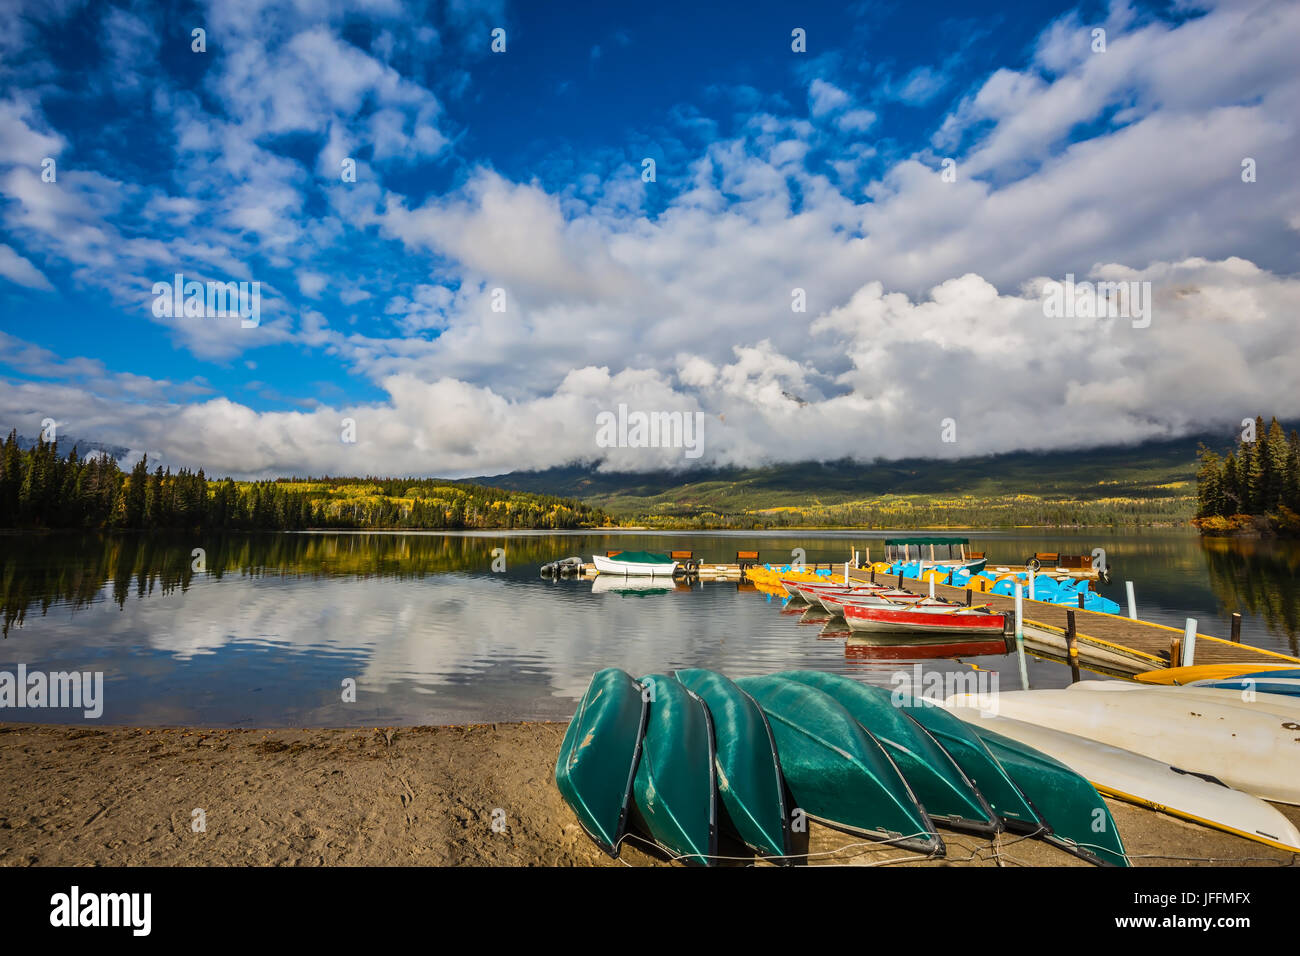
[641, 563]
[901, 549]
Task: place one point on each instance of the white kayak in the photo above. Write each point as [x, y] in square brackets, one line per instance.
[1150, 783]
[1246, 748]
[1267, 703]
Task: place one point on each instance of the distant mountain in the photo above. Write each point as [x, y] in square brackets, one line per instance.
[1154, 470]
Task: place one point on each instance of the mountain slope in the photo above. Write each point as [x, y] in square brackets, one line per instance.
[1156, 479]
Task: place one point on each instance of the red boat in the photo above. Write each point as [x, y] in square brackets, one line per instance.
[871, 650]
[814, 593]
[924, 624]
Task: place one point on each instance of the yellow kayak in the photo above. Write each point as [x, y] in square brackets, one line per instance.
[1185, 675]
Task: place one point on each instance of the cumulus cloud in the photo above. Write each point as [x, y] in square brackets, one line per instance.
[808, 297]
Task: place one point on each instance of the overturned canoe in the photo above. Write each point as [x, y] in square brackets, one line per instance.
[750, 787]
[1150, 783]
[1245, 747]
[978, 763]
[837, 772]
[1278, 704]
[938, 782]
[674, 792]
[599, 756]
[1077, 816]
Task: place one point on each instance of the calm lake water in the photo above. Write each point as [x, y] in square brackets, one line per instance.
[269, 631]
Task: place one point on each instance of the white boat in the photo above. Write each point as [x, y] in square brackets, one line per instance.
[1249, 749]
[640, 563]
[1151, 783]
[1277, 704]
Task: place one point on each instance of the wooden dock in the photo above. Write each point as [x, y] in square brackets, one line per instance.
[1107, 642]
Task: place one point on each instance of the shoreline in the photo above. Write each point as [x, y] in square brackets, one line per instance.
[127, 796]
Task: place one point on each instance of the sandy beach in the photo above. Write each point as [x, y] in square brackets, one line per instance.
[73, 796]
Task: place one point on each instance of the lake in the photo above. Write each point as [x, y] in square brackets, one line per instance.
[271, 626]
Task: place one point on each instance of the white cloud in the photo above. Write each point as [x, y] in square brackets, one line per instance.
[17, 269]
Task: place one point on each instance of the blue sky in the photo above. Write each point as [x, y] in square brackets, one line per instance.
[521, 171]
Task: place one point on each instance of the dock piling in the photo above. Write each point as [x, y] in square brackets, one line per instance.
[1189, 642]
[1031, 585]
[1072, 646]
[1020, 638]
[968, 597]
[1132, 601]
[1236, 628]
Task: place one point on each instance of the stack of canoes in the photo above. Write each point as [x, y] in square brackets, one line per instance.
[685, 758]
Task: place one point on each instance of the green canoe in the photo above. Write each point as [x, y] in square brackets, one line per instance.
[938, 782]
[599, 756]
[836, 771]
[1077, 815]
[675, 793]
[964, 746]
[749, 774]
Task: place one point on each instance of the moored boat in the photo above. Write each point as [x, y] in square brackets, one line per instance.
[642, 563]
[941, 622]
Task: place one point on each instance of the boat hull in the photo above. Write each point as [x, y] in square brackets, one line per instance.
[675, 792]
[1150, 783]
[1076, 815]
[836, 771]
[1195, 672]
[633, 568]
[938, 782]
[1246, 748]
[978, 763]
[933, 623]
[751, 790]
[599, 756]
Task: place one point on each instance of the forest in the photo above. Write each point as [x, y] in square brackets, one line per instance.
[1254, 487]
[40, 488]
